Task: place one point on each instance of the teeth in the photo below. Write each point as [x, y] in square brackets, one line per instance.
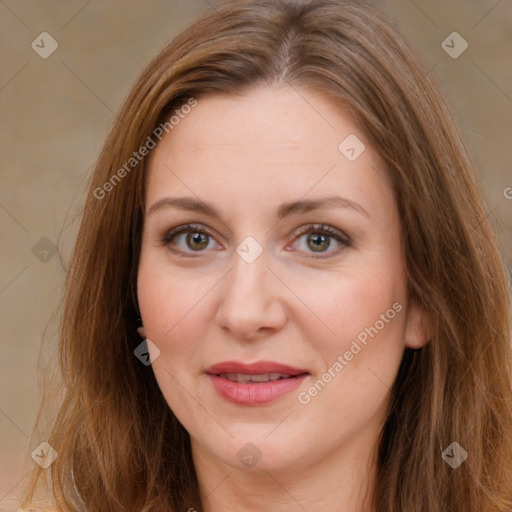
[264, 377]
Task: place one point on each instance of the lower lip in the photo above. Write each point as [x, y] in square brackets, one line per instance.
[255, 393]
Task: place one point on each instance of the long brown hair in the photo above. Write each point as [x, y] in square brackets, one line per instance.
[120, 446]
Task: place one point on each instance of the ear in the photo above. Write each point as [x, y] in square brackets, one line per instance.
[419, 326]
[142, 332]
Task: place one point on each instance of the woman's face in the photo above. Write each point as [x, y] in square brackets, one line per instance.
[246, 296]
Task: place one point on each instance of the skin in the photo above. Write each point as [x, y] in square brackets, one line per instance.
[246, 155]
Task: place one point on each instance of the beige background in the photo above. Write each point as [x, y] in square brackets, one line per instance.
[55, 113]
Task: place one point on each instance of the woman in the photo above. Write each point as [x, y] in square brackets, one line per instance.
[285, 293]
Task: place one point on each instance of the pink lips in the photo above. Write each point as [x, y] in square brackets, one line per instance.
[254, 393]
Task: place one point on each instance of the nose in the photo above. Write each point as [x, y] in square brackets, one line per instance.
[251, 305]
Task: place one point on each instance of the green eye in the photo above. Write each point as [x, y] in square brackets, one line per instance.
[196, 240]
[197, 237]
[318, 239]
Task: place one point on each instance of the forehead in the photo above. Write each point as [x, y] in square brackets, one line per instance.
[281, 117]
[267, 143]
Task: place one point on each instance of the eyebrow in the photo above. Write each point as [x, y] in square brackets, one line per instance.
[284, 210]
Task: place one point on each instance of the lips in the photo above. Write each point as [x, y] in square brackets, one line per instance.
[264, 377]
[258, 368]
[254, 383]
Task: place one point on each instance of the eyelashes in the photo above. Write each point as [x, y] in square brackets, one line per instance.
[194, 229]
[322, 232]
[200, 235]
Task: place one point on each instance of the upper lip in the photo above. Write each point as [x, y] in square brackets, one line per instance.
[256, 368]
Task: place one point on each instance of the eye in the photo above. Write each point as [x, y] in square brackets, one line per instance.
[318, 239]
[196, 239]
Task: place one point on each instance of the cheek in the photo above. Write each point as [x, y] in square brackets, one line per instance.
[354, 306]
[172, 306]
[361, 359]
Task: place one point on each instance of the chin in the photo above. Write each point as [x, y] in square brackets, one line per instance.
[255, 450]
